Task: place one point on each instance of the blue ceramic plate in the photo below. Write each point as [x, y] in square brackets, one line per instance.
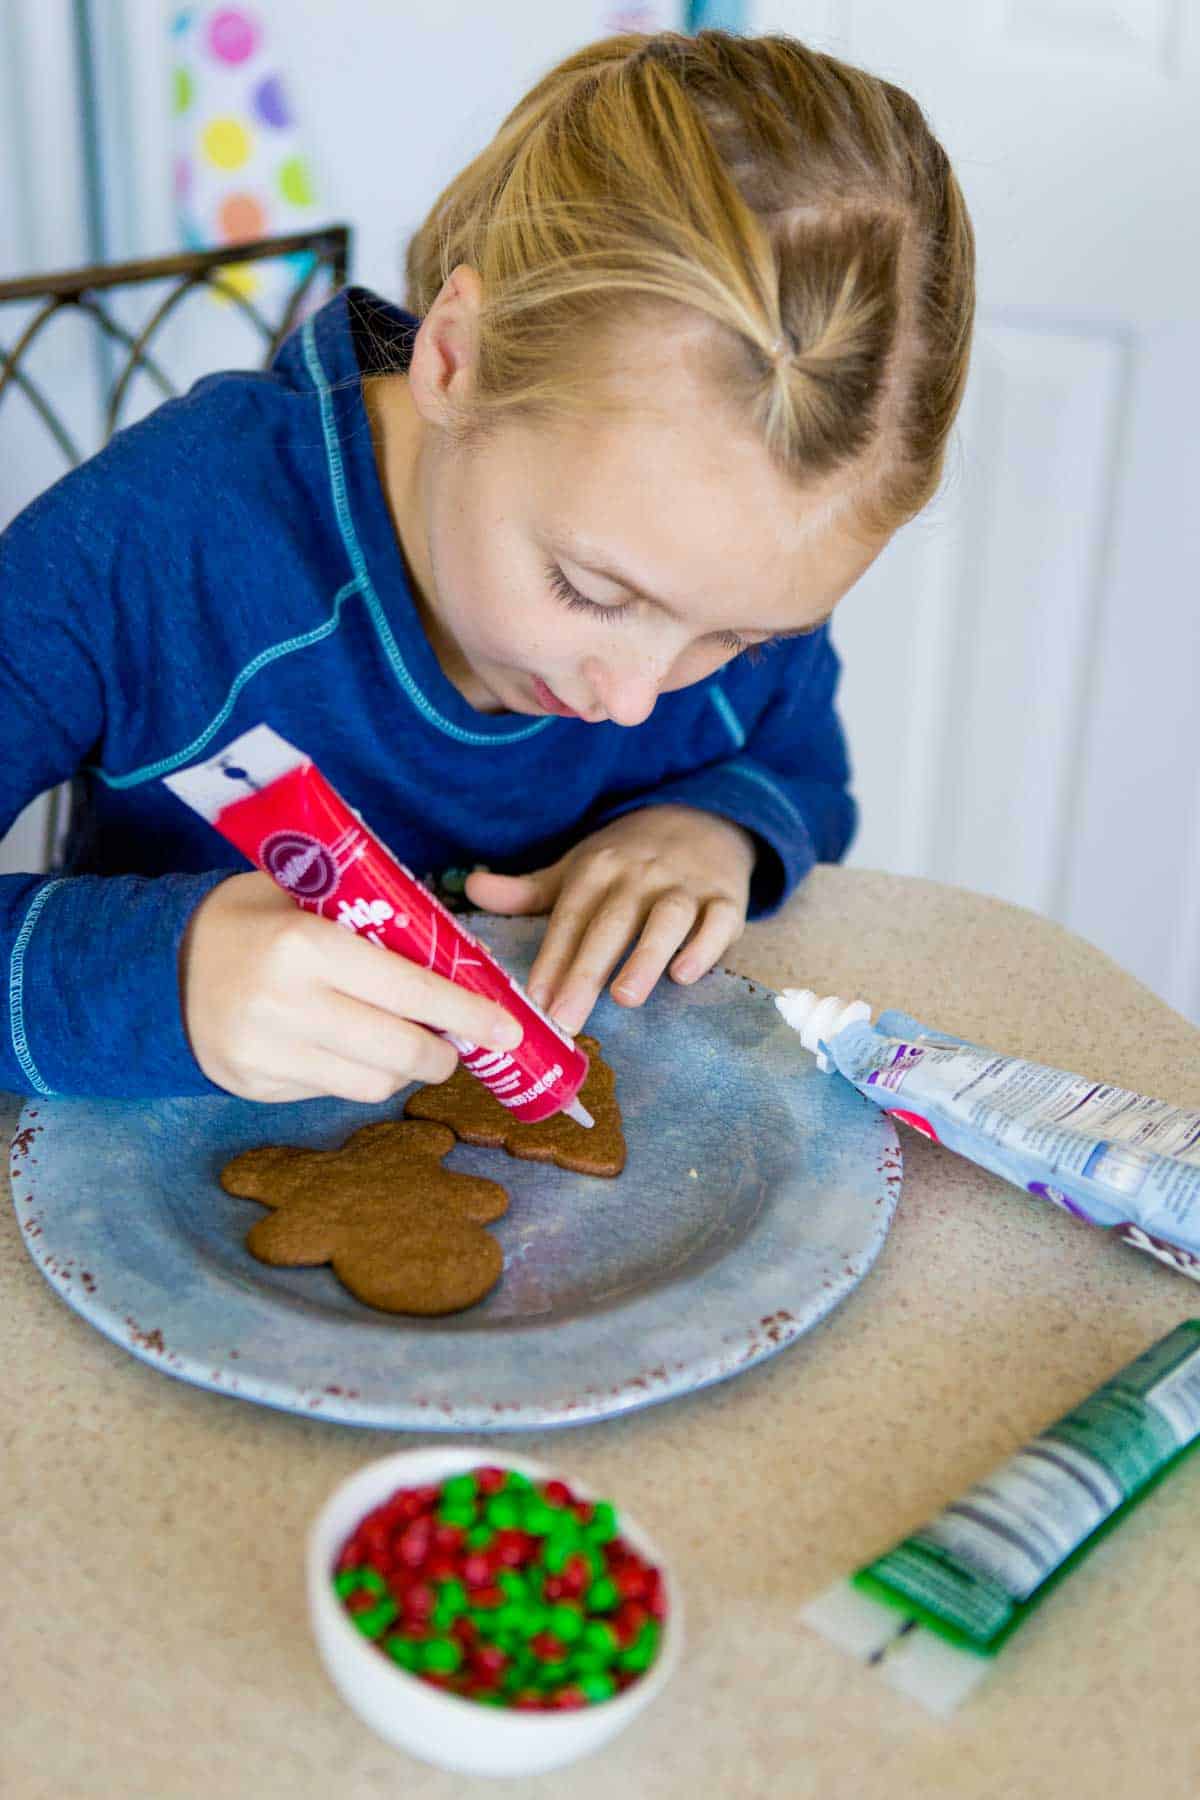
[757, 1194]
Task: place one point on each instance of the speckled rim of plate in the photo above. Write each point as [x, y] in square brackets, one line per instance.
[784, 1229]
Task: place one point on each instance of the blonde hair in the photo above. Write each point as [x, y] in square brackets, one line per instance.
[802, 206]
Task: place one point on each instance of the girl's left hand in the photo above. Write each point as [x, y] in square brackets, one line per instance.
[669, 876]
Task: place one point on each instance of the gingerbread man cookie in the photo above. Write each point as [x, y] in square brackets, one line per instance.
[403, 1234]
[464, 1104]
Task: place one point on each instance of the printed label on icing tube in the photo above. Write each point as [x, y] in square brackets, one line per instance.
[270, 800]
[1124, 1161]
[933, 1612]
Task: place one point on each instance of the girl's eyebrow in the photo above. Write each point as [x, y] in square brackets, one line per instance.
[596, 566]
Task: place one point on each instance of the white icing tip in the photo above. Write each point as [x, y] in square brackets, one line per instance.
[579, 1112]
[818, 1020]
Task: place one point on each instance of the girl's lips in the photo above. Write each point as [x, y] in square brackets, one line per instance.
[549, 699]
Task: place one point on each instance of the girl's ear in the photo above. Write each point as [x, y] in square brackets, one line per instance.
[441, 374]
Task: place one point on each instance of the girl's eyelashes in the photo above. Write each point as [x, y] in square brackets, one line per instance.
[570, 596]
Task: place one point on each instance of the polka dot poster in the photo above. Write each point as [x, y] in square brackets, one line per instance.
[243, 168]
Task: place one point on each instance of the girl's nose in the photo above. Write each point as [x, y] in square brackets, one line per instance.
[627, 692]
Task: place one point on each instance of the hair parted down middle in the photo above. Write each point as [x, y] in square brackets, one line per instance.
[800, 205]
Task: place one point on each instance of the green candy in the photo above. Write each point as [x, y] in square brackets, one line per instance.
[598, 1687]
[459, 1490]
[538, 1519]
[441, 1656]
[603, 1595]
[351, 1580]
[561, 1547]
[457, 1513]
[516, 1483]
[480, 1537]
[601, 1528]
[587, 1662]
[512, 1584]
[374, 1623]
[454, 1595]
[566, 1622]
[643, 1650]
[600, 1639]
[511, 1616]
[503, 1511]
[402, 1651]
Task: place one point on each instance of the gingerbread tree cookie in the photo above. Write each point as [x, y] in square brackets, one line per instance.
[403, 1234]
[464, 1104]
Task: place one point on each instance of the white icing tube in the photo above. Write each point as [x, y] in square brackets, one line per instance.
[1109, 1157]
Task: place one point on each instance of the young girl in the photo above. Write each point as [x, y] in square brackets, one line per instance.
[693, 332]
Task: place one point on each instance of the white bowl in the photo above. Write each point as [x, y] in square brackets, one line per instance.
[444, 1728]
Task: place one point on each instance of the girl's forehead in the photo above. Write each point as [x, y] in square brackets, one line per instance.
[685, 502]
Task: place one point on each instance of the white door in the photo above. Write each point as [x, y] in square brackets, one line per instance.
[1022, 665]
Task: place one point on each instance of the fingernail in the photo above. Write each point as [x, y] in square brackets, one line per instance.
[685, 971]
[508, 1034]
[627, 992]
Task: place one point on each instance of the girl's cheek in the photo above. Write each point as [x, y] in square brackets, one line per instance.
[697, 663]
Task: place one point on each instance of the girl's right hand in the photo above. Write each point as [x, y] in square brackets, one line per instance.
[280, 1004]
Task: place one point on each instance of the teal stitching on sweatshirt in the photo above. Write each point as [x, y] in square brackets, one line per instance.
[724, 709]
[151, 771]
[16, 989]
[736, 767]
[353, 549]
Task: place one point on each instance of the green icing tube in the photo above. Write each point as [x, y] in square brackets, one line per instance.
[933, 1611]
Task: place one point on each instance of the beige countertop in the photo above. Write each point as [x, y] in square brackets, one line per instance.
[155, 1632]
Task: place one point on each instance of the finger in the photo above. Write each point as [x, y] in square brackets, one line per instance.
[357, 968]
[325, 1073]
[721, 926]
[606, 936]
[533, 893]
[379, 1040]
[582, 896]
[313, 1074]
[672, 917]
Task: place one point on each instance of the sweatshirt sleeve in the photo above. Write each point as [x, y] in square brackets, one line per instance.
[787, 778]
[89, 990]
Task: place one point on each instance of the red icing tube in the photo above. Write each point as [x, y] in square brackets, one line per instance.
[272, 801]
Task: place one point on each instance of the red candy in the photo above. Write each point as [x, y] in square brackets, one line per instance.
[489, 1660]
[633, 1582]
[576, 1576]
[419, 1600]
[477, 1569]
[557, 1493]
[490, 1480]
[413, 1544]
[510, 1549]
[628, 1621]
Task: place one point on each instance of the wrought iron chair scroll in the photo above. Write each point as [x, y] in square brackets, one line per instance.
[326, 250]
[87, 291]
